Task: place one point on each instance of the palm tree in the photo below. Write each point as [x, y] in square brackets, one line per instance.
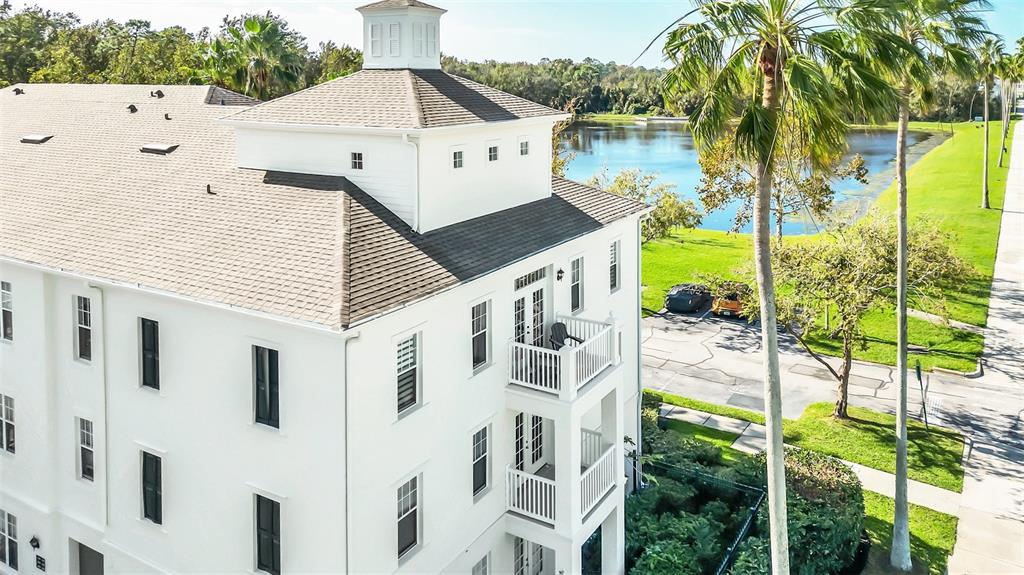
[989, 57]
[1011, 71]
[270, 62]
[940, 31]
[799, 65]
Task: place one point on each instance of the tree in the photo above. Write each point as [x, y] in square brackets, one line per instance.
[851, 271]
[989, 57]
[669, 211]
[798, 61]
[796, 186]
[560, 157]
[1011, 72]
[333, 61]
[23, 37]
[940, 33]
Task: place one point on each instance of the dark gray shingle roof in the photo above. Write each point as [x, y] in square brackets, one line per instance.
[392, 4]
[402, 99]
[309, 248]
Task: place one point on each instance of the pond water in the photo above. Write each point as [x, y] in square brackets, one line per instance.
[667, 149]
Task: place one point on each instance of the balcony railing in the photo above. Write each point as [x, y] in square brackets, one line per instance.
[563, 372]
[534, 496]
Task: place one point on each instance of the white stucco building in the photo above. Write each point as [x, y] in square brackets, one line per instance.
[320, 334]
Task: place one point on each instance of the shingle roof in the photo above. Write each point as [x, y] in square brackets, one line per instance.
[402, 99]
[309, 248]
[391, 4]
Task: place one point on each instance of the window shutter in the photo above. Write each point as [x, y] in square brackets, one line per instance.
[407, 373]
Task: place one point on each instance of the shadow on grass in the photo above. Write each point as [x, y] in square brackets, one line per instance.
[927, 557]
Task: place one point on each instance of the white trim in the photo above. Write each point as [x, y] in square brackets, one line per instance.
[297, 127]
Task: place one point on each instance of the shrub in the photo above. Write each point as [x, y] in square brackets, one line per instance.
[753, 558]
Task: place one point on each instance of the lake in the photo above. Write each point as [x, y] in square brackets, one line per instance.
[667, 149]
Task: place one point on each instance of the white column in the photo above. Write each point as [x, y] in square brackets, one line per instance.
[569, 558]
[568, 450]
[613, 542]
[611, 428]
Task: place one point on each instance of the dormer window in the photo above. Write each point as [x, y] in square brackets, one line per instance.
[492, 153]
[357, 160]
[395, 39]
[457, 159]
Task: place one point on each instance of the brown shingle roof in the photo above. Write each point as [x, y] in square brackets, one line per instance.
[401, 99]
[391, 4]
[309, 248]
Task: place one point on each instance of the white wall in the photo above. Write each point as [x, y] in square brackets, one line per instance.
[200, 422]
[389, 165]
[449, 195]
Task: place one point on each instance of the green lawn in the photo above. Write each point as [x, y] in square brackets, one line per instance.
[707, 407]
[722, 439]
[932, 535]
[868, 438]
[945, 185]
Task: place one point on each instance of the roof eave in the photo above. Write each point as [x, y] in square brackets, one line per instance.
[327, 128]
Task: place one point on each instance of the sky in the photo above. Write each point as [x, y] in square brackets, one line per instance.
[472, 29]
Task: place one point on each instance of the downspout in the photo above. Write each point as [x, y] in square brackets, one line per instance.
[106, 419]
[416, 179]
[348, 487]
[637, 469]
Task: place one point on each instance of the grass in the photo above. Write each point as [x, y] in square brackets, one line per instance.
[932, 535]
[722, 439]
[723, 410]
[934, 457]
[945, 186]
[611, 117]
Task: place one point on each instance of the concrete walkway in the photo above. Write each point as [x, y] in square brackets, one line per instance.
[752, 440]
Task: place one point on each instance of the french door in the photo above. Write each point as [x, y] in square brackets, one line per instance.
[528, 316]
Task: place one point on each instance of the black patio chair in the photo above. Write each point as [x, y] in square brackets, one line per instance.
[559, 335]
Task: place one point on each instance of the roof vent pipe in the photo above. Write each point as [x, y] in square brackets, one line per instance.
[18, 91]
[132, 108]
[167, 116]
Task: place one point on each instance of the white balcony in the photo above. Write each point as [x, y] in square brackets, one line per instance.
[565, 371]
[534, 495]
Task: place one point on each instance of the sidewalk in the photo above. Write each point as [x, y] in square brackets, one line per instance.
[752, 440]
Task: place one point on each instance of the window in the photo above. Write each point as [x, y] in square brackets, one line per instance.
[408, 373]
[478, 327]
[492, 153]
[480, 466]
[520, 442]
[266, 377]
[7, 414]
[408, 516]
[357, 160]
[457, 159]
[536, 438]
[8, 540]
[518, 556]
[431, 39]
[268, 535]
[534, 276]
[524, 148]
[576, 285]
[6, 312]
[85, 449]
[537, 559]
[483, 566]
[613, 265]
[83, 333]
[150, 353]
[376, 45]
[395, 39]
[152, 488]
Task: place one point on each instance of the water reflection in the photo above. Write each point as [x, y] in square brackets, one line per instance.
[668, 149]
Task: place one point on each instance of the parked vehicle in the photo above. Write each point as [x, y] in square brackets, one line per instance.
[729, 301]
[687, 298]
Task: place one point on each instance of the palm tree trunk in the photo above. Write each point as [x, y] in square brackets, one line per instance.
[899, 556]
[778, 524]
[984, 171]
[1004, 117]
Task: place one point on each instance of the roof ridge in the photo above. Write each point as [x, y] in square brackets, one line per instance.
[345, 241]
[414, 93]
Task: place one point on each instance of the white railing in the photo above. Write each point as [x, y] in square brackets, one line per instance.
[591, 447]
[575, 364]
[597, 480]
[535, 367]
[530, 495]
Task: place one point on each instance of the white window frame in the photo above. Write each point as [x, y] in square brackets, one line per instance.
[614, 266]
[357, 161]
[576, 275]
[536, 438]
[376, 39]
[86, 442]
[524, 146]
[395, 39]
[483, 566]
[9, 532]
[475, 330]
[402, 368]
[6, 305]
[481, 452]
[493, 151]
[456, 158]
[7, 426]
[414, 493]
[83, 312]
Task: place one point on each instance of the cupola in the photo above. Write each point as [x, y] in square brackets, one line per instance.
[401, 34]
